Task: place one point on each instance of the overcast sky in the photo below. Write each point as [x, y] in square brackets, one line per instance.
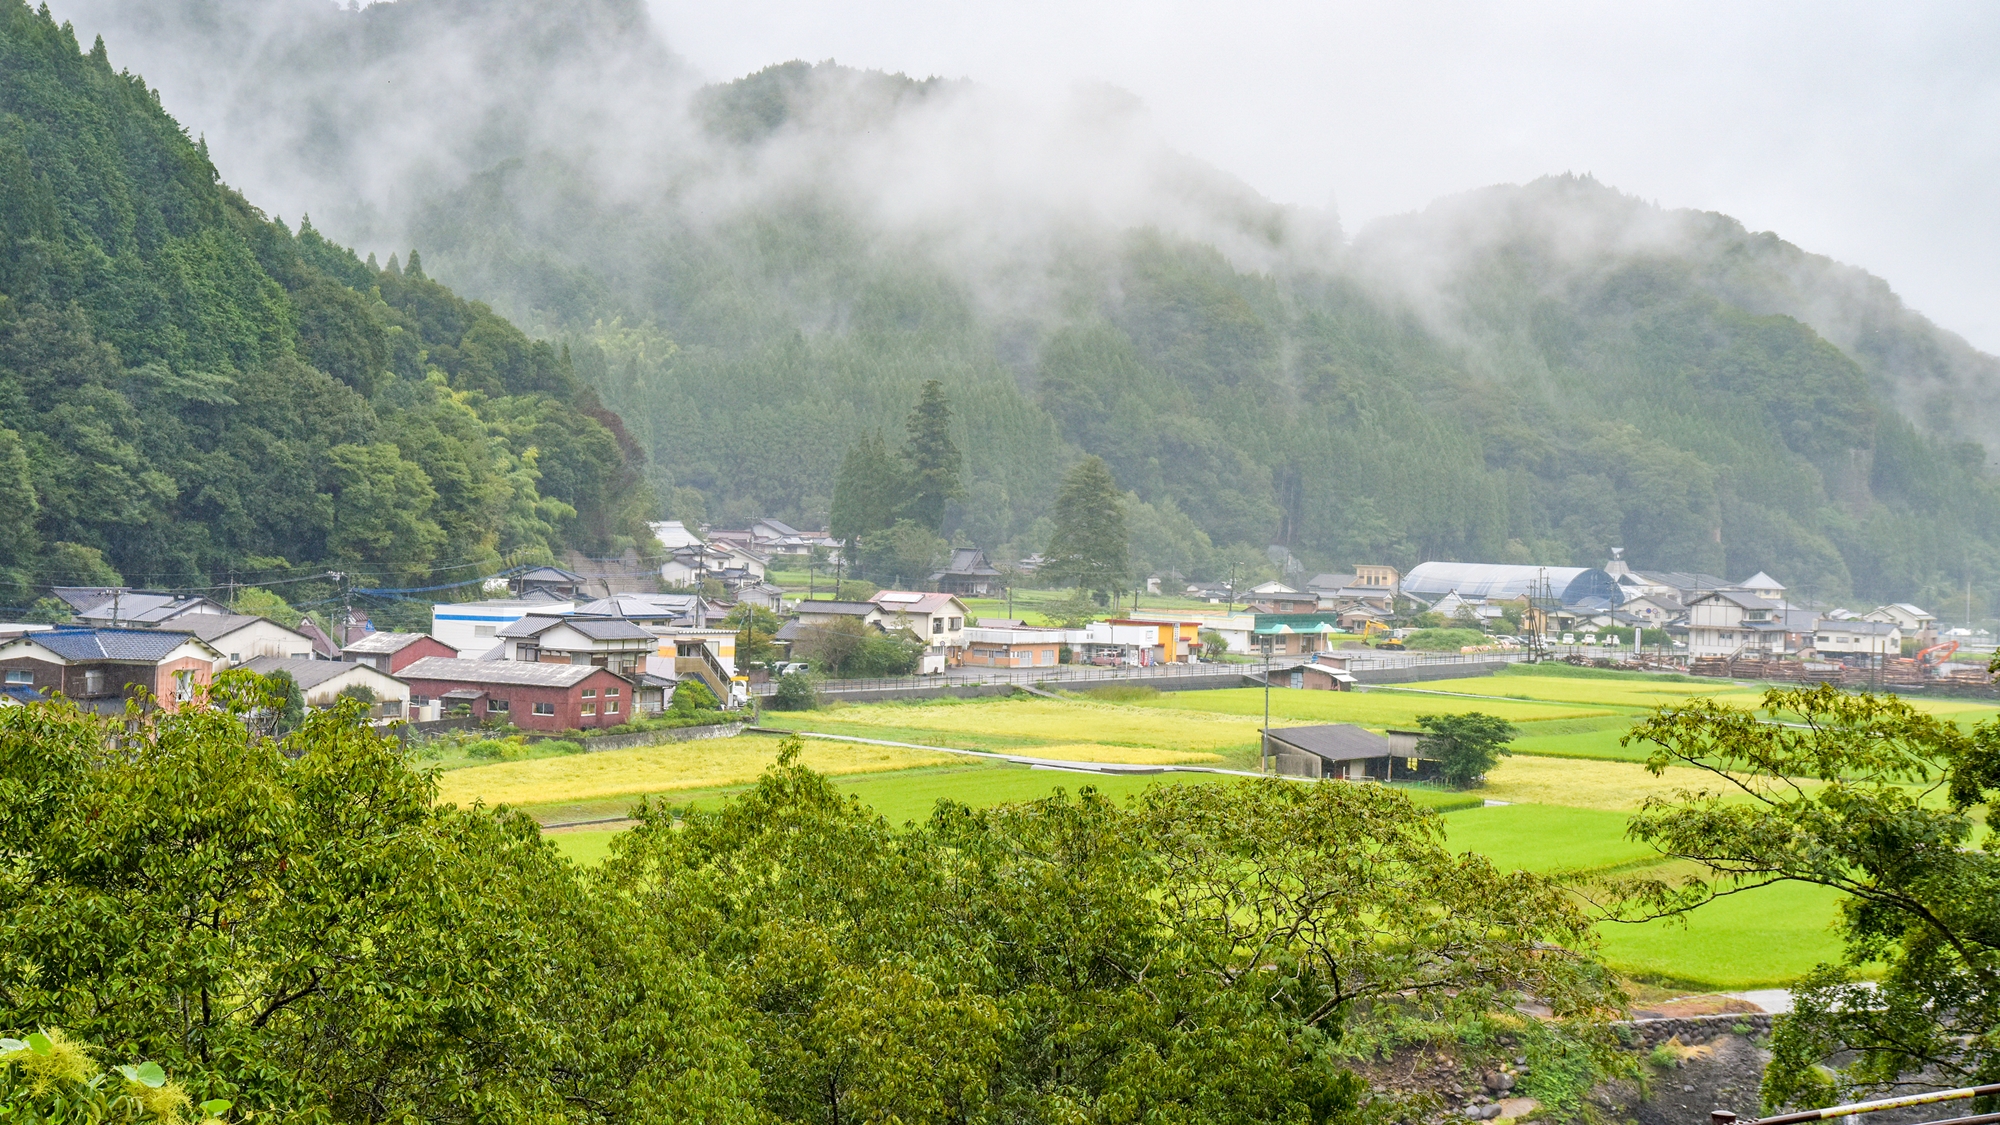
[1870, 133]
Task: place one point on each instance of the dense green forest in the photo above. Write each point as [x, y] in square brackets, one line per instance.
[191, 392]
[757, 274]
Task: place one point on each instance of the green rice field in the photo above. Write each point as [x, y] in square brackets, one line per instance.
[1569, 788]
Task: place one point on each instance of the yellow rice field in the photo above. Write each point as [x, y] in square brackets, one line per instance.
[656, 769]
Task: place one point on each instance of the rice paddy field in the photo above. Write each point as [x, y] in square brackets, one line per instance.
[1558, 805]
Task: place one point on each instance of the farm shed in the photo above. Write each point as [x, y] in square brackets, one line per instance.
[1346, 751]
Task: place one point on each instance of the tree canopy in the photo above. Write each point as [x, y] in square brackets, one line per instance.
[1879, 801]
[294, 924]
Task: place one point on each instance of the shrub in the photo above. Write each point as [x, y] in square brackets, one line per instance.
[796, 692]
[692, 695]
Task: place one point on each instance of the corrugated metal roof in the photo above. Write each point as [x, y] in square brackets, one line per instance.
[386, 643]
[1505, 581]
[517, 673]
[1337, 742]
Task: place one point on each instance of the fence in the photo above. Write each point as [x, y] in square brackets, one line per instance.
[1067, 675]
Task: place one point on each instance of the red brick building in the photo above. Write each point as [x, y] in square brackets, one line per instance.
[99, 669]
[393, 652]
[532, 696]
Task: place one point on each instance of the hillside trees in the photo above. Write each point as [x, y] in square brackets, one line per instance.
[1089, 547]
[194, 386]
[889, 507]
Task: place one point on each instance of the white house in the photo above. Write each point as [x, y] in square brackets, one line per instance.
[1910, 620]
[1654, 609]
[607, 642]
[241, 637]
[322, 681]
[937, 619]
[1733, 623]
[1763, 586]
[1859, 638]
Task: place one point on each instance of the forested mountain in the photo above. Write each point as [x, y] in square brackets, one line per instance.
[755, 274]
[192, 392]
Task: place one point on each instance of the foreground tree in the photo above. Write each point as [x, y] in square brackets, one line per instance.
[1088, 549]
[1870, 797]
[1195, 957]
[295, 925]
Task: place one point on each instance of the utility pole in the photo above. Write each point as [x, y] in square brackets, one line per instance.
[1264, 747]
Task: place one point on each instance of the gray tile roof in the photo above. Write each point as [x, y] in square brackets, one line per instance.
[530, 626]
[213, 626]
[131, 646]
[305, 671]
[607, 629]
[837, 609]
[1336, 742]
[516, 673]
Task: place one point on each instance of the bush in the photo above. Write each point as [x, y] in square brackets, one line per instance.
[796, 692]
[691, 696]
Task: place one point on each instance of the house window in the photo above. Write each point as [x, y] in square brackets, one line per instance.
[1411, 763]
[496, 707]
[590, 709]
[532, 654]
[590, 693]
[21, 676]
[611, 707]
[937, 626]
[183, 686]
[482, 630]
[93, 682]
[957, 623]
[545, 708]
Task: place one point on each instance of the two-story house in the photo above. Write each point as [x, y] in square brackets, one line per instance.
[601, 641]
[100, 669]
[1909, 620]
[936, 619]
[1732, 623]
[1872, 640]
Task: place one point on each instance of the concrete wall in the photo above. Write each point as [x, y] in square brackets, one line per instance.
[655, 737]
[1420, 672]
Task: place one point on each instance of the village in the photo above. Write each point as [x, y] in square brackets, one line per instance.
[600, 644]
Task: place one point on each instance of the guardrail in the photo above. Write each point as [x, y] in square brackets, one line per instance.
[1067, 674]
[1724, 1117]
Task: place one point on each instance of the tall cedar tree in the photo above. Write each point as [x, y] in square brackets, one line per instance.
[933, 459]
[865, 495]
[1088, 549]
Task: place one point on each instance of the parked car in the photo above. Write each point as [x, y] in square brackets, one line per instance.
[787, 667]
[1569, 638]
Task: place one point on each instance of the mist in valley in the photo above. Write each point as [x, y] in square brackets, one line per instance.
[756, 272]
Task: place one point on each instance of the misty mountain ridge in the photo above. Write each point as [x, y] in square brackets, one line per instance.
[754, 273]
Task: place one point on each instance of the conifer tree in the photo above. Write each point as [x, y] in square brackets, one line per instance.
[866, 494]
[933, 459]
[1088, 548]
